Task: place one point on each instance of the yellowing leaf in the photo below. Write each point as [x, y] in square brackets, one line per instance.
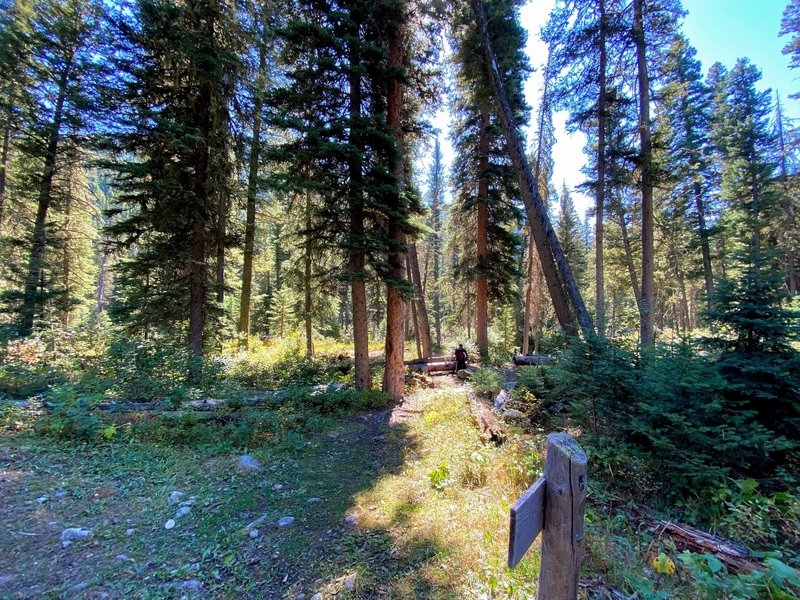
[108, 432]
[663, 564]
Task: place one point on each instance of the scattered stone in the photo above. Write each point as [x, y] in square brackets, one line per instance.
[193, 585]
[317, 596]
[169, 524]
[462, 374]
[247, 464]
[314, 500]
[285, 521]
[122, 557]
[513, 413]
[350, 582]
[59, 493]
[379, 438]
[175, 497]
[129, 532]
[254, 533]
[373, 507]
[277, 487]
[73, 534]
[351, 519]
[502, 399]
[256, 523]
[41, 499]
[78, 587]
[182, 511]
[189, 502]
[21, 403]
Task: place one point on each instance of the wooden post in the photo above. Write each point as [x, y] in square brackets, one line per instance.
[565, 502]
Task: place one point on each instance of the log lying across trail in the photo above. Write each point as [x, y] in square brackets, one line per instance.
[533, 359]
[432, 367]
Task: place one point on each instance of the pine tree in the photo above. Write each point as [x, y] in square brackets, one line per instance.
[568, 228]
[179, 69]
[485, 180]
[790, 25]
[436, 187]
[685, 117]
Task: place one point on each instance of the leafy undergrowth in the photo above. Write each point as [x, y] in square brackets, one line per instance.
[371, 518]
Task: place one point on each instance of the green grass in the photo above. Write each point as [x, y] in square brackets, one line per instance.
[410, 540]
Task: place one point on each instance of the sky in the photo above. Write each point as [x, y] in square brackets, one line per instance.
[720, 30]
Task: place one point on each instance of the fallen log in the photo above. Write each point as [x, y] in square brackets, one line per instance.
[482, 415]
[535, 360]
[735, 557]
[432, 367]
[429, 359]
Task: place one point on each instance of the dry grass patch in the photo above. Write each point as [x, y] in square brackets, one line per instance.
[453, 493]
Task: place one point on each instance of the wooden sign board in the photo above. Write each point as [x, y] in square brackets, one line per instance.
[527, 520]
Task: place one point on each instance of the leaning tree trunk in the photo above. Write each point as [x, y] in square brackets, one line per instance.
[646, 330]
[555, 266]
[394, 372]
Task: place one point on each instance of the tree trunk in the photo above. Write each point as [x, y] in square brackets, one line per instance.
[414, 314]
[421, 308]
[307, 280]
[358, 286]
[626, 243]
[102, 274]
[198, 267]
[600, 300]
[556, 269]
[4, 166]
[787, 206]
[66, 262]
[254, 161]
[526, 321]
[31, 302]
[222, 219]
[394, 372]
[481, 283]
[646, 331]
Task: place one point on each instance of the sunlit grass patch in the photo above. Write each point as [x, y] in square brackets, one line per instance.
[454, 494]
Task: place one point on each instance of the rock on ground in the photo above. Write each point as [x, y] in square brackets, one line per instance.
[502, 398]
[72, 534]
[247, 464]
[285, 521]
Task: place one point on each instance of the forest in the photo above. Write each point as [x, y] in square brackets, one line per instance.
[231, 233]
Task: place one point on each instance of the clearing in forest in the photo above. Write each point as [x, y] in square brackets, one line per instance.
[405, 502]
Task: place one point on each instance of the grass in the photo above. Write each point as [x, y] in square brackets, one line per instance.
[410, 538]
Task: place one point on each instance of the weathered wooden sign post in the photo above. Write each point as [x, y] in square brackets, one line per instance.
[554, 506]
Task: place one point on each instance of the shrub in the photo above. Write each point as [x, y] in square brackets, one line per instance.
[486, 382]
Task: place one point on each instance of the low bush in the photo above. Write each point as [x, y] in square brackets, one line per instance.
[486, 382]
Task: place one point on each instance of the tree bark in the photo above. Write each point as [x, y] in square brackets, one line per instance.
[600, 301]
[31, 302]
[646, 330]
[4, 166]
[421, 308]
[626, 243]
[198, 267]
[394, 372]
[358, 286]
[412, 305]
[526, 321]
[307, 280]
[481, 283]
[254, 161]
[556, 269]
